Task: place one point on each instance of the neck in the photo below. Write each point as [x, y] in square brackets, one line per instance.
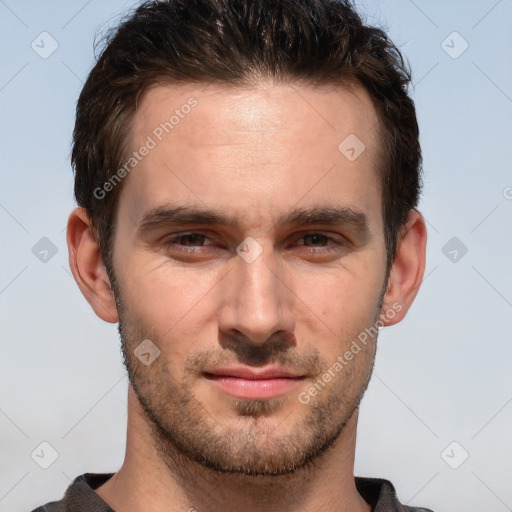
[147, 482]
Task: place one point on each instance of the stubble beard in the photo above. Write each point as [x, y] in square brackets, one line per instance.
[253, 444]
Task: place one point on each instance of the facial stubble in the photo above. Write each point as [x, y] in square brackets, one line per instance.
[253, 442]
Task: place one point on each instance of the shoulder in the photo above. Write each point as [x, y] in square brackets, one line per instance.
[54, 506]
[382, 496]
[80, 496]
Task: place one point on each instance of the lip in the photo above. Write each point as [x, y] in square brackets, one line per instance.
[254, 384]
[247, 372]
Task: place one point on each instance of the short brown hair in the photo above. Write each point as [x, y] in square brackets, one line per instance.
[234, 41]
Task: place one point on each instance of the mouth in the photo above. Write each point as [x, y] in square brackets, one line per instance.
[248, 383]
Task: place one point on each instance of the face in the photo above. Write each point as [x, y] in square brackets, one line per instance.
[250, 251]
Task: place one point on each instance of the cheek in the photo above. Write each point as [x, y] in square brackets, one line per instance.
[171, 307]
[165, 293]
[343, 300]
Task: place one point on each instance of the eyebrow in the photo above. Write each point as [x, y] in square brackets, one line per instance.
[162, 216]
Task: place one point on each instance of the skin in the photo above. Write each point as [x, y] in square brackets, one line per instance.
[255, 154]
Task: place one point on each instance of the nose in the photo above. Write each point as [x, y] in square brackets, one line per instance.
[256, 300]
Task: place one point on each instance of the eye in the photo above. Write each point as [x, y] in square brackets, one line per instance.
[320, 242]
[188, 242]
[190, 239]
[316, 239]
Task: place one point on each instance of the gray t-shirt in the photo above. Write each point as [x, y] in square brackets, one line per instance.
[81, 497]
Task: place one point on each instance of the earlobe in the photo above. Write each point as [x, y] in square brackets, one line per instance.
[87, 266]
[407, 271]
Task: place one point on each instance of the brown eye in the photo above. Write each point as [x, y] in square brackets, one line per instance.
[316, 244]
[316, 239]
[190, 243]
[190, 240]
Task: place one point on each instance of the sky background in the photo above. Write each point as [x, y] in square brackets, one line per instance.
[436, 419]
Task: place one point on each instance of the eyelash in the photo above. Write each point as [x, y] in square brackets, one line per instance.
[172, 242]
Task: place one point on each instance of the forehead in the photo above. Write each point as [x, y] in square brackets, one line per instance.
[262, 107]
[265, 146]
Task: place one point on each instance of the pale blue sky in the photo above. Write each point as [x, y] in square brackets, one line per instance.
[443, 375]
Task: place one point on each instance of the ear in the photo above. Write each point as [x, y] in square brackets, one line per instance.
[87, 266]
[407, 271]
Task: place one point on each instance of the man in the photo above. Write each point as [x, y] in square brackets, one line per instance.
[247, 175]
